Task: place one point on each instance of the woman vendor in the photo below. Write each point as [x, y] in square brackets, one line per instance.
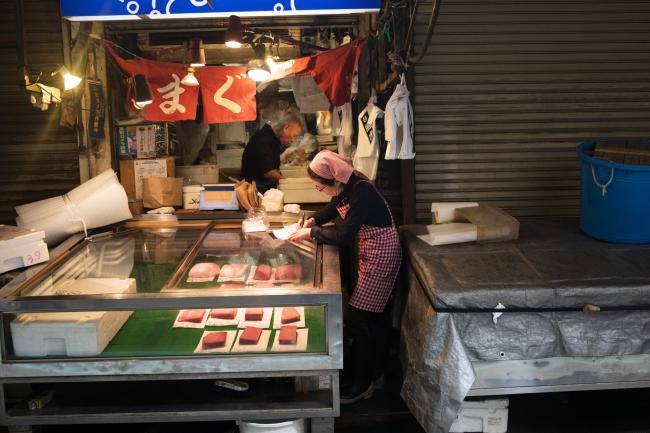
[367, 217]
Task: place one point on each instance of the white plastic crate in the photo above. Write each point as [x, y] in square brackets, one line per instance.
[488, 416]
[21, 247]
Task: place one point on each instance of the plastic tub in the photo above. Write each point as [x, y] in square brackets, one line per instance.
[615, 200]
[191, 196]
[273, 426]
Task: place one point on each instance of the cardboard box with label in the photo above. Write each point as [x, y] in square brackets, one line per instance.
[133, 171]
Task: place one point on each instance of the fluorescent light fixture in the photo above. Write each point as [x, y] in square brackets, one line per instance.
[190, 79]
[70, 81]
[234, 32]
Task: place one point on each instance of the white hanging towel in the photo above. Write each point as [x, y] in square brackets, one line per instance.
[342, 128]
[398, 124]
[366, 157]
[308, 96]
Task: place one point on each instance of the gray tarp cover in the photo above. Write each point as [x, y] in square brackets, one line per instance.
[553, 266]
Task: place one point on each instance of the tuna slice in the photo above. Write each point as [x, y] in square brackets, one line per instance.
[288, 335]
[223, 313]
[288, 272]
[290, 315]
[214, 340]
[204, 270]
[251, 335]
[254, 314]
[262, 273]
[233, 270]
[193, 316]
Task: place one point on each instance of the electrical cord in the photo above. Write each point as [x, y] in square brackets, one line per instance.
[435, 11]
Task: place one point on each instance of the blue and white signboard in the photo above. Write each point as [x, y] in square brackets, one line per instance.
[120, 10]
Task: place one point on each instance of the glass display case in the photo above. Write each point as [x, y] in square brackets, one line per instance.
[160, 304]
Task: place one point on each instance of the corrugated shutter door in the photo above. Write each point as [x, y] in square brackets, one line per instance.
[508, 89]
[38, 159]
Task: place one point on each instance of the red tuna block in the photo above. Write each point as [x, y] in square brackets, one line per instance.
[214, 340]
[288, 335]
[262, 273]
[290, 315]
[204, 270]
[254, 314]
[288, 272]
[223, 313]
[193, 316]
[251, 335]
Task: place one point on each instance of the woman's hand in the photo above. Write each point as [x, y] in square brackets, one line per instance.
[309, 223]
[301, 234]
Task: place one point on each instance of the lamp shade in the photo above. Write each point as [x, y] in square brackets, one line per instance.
[190, 79]
[142, 90]
[196, 53]
[258, 70]
[234, 32]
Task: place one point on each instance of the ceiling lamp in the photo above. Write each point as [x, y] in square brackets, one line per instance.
[196, 53]
[142, 91]
[258, 68]
[70, 81]
[234, 32]
[190, 79]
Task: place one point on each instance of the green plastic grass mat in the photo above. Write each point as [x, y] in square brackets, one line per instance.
[151, 333]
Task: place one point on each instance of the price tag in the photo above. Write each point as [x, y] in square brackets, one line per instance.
[324, 382]
[31, 258]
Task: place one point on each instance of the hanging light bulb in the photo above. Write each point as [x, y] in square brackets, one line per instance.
[258, 68]
[196, 53]
[70, 81]
[234, 32]
[143, 96]
[190, 79]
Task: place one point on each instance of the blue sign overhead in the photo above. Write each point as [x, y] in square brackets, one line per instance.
[119, 10]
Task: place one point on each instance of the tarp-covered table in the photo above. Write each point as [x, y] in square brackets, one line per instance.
[576, 317]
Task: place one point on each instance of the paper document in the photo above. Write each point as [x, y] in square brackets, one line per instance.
[285, 232]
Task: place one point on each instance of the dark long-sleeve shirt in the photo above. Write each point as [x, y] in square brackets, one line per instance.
[367, 207]
[261, 155]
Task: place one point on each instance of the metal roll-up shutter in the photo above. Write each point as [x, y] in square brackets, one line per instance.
[508, 89]
[38, 159]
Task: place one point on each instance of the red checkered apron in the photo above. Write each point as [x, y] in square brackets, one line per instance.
[380, 257]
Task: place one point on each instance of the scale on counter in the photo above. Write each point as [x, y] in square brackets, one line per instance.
[218, 196]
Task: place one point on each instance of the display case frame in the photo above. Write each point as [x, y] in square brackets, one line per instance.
[326, 291]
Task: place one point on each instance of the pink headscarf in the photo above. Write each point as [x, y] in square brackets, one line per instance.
[331, 165]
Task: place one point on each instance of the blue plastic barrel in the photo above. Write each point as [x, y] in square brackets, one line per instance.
[615, 200]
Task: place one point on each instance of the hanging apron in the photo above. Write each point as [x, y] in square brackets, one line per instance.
[380, 257]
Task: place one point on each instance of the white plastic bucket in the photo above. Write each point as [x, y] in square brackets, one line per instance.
[191, 196]
[273, 426]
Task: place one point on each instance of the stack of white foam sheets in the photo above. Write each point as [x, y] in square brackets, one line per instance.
[83, 333]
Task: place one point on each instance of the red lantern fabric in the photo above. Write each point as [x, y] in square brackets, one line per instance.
[227, 93]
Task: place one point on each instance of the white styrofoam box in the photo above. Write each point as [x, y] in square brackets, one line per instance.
[294, 171]
[83, 333]
[301, 190]
[21, 247]
[191, 196]
[488, 416]
[444, 212]
[229, 158]
[273, 426]
[198, 174]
